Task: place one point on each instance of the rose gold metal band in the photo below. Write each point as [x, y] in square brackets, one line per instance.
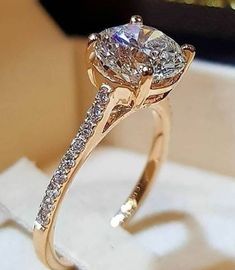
[44, 233]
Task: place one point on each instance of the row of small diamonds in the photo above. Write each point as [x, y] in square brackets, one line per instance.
[68, 161]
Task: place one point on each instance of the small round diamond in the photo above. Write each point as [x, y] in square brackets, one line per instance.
[77, 146]
[43, 217]
[85, 133]
[68, 160]
[103, 96]
[47, 205]
[60, 176]
[87, 125]
[95, 113]
[53, 191]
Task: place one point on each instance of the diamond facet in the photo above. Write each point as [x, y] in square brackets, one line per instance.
[124, 51]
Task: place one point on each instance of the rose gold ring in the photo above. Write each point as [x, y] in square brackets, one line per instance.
[133, 67]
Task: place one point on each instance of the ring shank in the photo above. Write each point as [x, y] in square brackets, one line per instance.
[44, 239]
[155, 158]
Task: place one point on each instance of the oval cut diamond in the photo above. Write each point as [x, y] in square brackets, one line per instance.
[123, 51]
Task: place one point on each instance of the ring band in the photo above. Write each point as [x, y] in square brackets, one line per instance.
[117, 98]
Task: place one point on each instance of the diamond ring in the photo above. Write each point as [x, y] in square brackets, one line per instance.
[133, 67]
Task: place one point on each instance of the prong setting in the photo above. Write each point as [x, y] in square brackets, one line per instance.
[136, 19]
[188, 47]
[92, 38]
[147, 71]
[125, 53]
[189, 52]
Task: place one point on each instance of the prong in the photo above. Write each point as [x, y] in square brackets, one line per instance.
[136, 19]
[147, 71]
[92, 37]
[147, 78]
[188, 47]
[189, 52]
[144, 84]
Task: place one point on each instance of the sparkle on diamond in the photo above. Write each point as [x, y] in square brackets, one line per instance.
[124, 50]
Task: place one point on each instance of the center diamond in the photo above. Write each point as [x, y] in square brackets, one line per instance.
[123, 51]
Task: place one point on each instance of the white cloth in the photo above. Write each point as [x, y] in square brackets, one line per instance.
[189, 213]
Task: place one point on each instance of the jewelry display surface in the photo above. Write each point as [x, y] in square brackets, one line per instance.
[183, 225]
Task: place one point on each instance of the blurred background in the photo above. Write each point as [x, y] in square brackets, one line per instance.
[45, 90]
[45, 93]
[208, 24]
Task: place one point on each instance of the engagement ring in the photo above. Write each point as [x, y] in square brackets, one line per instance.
[134, 67]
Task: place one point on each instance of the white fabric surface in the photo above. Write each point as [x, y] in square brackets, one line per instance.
[189, 213]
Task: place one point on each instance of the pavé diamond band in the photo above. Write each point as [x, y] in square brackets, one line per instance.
[134, 67]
